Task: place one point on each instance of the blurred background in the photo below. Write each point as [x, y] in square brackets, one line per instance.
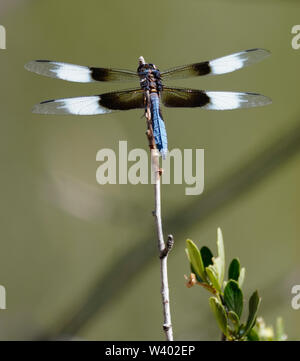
[80, 260]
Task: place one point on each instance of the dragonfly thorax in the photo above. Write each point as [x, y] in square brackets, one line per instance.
[149, 77]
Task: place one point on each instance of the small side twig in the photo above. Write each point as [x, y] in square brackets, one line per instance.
[168, 247]
[164, 249]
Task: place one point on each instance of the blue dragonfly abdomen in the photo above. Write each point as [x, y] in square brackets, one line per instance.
[158, 124]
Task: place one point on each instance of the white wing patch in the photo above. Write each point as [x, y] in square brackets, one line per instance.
[236, 61]
[65, 71]
[77, 106]
[70, 72]
[233, 100]
[226, 64]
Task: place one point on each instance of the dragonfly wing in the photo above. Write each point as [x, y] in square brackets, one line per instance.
[91, 105]
[223, 65]
[78, 73]
[212, 100]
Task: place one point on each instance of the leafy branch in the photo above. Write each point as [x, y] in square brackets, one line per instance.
[227, 300]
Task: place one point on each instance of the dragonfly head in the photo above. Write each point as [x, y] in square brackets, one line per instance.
[144, 68]
[141, 60]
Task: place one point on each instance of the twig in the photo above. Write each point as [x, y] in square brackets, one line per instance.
[163, 248]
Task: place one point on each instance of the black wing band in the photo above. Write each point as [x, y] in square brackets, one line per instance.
[91, 105]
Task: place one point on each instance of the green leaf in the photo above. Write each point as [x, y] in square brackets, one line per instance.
[234, 270]
[220, 260]
[213, 277]
[233, 317]
[195, 259]
[233, 297]
[219, 313]
[253, 335]
[254, 302]
[217, 263]
[199, 279]
[207, 256]
[242, 277]
[187, 254]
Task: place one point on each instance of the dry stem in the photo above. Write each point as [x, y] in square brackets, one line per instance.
[163, 248]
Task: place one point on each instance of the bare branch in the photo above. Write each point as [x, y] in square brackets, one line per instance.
[163, 248]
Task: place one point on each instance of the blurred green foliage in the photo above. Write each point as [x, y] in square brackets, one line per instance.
[227, 300]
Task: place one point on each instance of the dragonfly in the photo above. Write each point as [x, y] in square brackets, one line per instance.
[151, 92]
